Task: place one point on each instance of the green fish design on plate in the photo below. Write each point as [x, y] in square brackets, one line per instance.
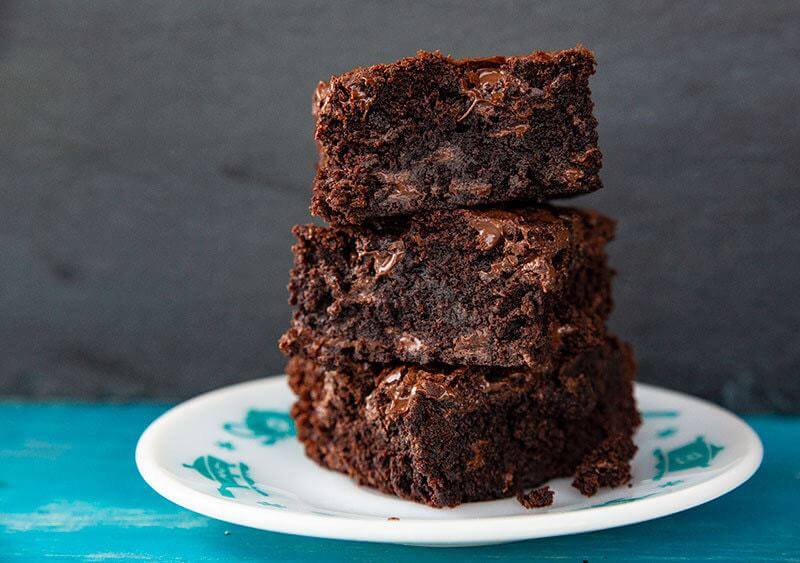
[269, 426]
[227, 475]
[694, 454]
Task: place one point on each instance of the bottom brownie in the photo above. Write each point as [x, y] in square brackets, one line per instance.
[443, 436]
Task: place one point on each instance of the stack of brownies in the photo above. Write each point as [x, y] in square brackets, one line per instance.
[449, 341]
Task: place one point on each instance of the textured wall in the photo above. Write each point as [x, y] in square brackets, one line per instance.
[154, 156]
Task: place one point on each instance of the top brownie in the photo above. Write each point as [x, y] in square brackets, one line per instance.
[429, 132]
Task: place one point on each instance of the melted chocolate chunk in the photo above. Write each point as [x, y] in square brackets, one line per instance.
[490, 228]
[386, 261]
[410, 343]
[409, 382]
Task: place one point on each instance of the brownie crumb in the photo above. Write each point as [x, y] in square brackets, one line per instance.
[607, 466]
[536, 498]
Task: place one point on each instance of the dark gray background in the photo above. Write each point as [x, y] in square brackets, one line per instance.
[153, 157]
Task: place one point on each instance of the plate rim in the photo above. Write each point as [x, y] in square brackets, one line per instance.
[431, 531]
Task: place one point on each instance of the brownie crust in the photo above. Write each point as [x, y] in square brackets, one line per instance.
[461, 287]
[444, 436]
[430, 132]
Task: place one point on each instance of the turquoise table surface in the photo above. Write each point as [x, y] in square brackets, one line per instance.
[69, 490]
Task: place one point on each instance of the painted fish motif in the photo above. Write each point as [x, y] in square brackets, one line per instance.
[227, 475]
[269, 426]
[694, 454]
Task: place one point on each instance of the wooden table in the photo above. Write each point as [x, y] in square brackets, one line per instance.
[69, 491]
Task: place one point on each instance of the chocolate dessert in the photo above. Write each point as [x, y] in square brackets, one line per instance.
[448, 435]
[448, 342]
[461, 287]
[429, 132]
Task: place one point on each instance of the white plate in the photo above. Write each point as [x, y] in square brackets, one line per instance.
[231, 455]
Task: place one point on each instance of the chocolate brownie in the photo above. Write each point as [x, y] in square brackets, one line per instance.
[444, 436]
[429, 132]
[460, 287]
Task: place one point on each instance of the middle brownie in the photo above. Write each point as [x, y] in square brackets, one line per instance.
[460, 287]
